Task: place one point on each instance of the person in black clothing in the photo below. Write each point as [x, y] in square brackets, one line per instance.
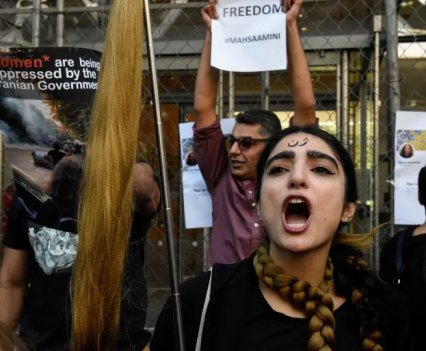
[44, 313]
[38, 255]
[403, 264]
[132, 335]
[306, 287]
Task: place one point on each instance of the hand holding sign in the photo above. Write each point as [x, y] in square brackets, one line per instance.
[248, 36]
[292, 9]
[209, 13]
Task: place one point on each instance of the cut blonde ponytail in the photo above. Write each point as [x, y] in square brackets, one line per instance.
[106, 206]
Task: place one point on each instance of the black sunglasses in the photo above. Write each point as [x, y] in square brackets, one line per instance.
[244, 143]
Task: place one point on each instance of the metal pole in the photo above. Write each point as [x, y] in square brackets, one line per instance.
[231, 94]
[391, 20]
[266, 81]
[339, 100]
[206, 238]
[181, 250]
[35, 38]
[60, 23]
[177, 308]
[376, 146]
[363, 140]
[344, 127]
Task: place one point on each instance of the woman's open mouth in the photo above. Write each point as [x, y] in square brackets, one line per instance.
[296, 214]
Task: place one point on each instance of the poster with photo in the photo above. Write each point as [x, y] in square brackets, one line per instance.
[410, 157]
[46, 96]
[196, 198]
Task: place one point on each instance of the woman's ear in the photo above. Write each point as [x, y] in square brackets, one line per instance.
[348, 212]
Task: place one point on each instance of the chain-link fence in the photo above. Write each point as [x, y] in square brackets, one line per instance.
[367, 60]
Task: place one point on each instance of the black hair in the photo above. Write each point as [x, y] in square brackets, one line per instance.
[351, 272]
[269, 122]
[66, 178]
[351, 193]
[422, 186]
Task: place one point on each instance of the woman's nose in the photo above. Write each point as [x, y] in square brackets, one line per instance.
[298, 177]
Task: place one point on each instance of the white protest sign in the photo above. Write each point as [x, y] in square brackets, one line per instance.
[196, 198]
[410, 157]
[249, 36]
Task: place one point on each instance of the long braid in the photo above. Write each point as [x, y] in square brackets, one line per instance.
[356, 281]
[371, 336]
[314, 301]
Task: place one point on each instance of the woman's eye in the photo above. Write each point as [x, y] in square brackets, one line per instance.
[322, 170]
[277, 170]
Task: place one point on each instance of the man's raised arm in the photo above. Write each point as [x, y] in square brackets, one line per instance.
[300, 77]
[207, 76]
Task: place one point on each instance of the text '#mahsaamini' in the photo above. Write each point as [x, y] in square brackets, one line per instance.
[255, 10]
[253, 38]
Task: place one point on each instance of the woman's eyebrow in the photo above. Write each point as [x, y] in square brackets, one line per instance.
[321, 155]
[310, 153]
[280, 156]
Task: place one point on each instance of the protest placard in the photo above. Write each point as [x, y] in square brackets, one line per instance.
[196, 197]
[249, 36]
[410, 157]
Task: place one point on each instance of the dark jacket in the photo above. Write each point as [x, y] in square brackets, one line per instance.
[403, 264]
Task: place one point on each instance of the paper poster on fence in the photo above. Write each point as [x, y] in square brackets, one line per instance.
[410, 157]
[249, 36]
[196, 198]
[46, 94]
[46, 97]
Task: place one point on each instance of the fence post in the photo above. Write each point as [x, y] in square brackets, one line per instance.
[391, 21]
[35, 38]
[60, 23]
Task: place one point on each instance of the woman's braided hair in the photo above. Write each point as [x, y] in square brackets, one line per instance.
[353, 279]
[351, 276]
[316, 302]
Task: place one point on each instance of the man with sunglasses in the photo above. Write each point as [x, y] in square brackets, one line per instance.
[228, 163]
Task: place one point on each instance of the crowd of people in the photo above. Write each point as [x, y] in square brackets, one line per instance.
[284, 271]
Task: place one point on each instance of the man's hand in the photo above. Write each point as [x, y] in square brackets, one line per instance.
[208, 13]
[292, 9]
